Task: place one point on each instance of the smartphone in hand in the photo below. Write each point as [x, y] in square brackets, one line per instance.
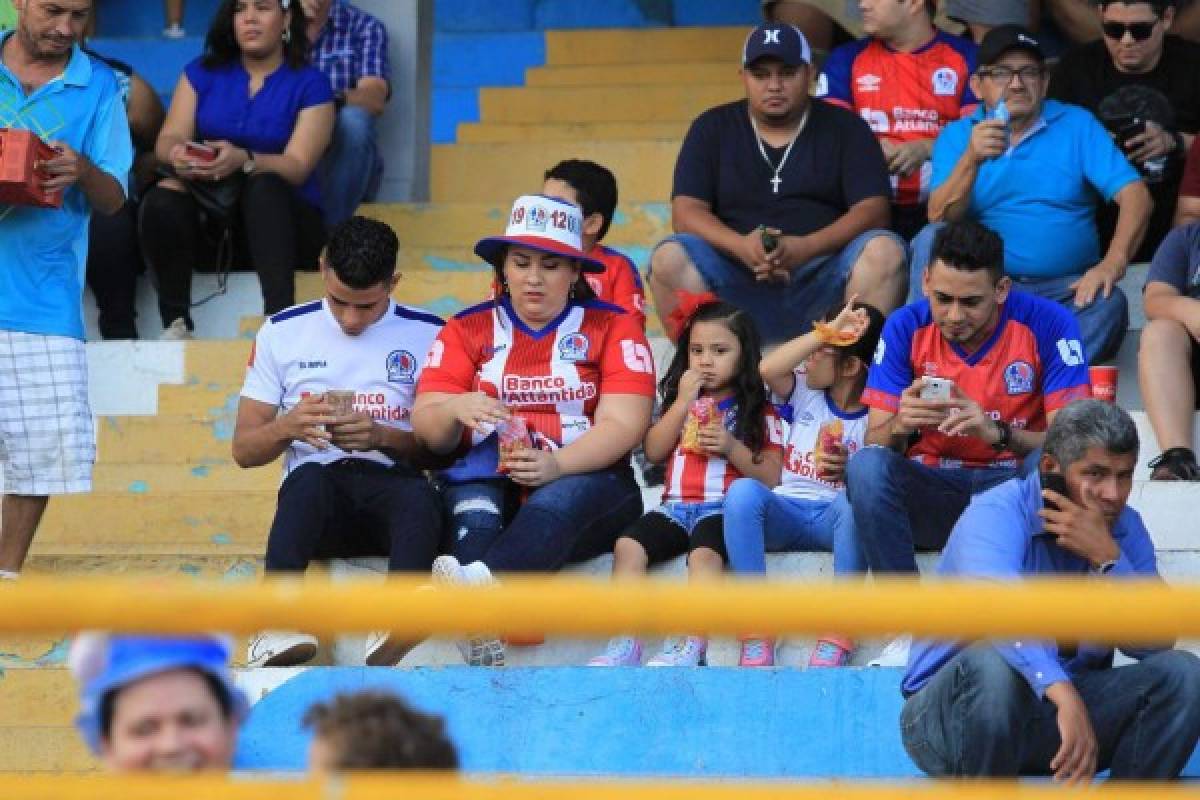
[1055, 482]
[937, 389]
[200, 151]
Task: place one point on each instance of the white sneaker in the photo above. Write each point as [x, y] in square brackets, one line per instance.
[622, 651]
[177, 331]
[384, 650]
[894, 654]
[479, 649]
[682, 651]
[174, 31]
[280, 649]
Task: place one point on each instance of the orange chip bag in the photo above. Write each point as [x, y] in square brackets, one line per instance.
[832, 336]
[703, 411]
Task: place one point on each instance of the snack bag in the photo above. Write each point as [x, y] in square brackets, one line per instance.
[513, 435]
[832, 336]
[703, 411]
[829, 439]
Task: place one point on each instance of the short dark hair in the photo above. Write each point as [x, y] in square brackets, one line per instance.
[378, 730]
[595, 185]
[1160, 6]
[362, 252]
[221, 47]
[108, 703]
[969, 246]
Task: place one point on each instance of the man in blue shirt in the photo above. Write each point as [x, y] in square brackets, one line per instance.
[351, 47]
[1030, 707]
[50, 86]
[1035, 180]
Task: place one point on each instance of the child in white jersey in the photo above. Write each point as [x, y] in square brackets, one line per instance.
[820, 376]
[717, 425]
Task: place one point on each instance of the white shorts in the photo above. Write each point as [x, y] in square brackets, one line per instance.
[47, 435]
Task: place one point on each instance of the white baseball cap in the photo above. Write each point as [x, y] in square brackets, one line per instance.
[549, 224]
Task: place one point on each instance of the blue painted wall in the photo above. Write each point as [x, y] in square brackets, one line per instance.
[144, 18]
[712, 12]
[580, 721]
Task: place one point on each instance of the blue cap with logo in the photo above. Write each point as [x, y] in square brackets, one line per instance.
[104, 663]
[776, 40]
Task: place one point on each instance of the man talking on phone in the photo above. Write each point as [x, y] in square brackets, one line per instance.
[1032, 707]
[1002, 361]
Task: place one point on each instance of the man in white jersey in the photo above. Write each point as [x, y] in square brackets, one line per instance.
[351, 487]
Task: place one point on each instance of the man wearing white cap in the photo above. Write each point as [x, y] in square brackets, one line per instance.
[780, 202]
[546, 390]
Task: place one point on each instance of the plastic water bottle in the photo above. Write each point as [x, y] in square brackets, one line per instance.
[1000, 112]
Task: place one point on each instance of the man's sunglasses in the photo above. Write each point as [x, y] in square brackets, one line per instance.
[1140, 31]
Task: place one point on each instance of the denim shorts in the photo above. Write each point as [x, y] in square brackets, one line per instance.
[781, 311]
[686, 515]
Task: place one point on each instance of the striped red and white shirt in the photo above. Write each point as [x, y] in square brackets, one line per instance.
[695, 478]
[553, 377]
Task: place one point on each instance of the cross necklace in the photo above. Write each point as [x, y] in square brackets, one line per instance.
[775, 179]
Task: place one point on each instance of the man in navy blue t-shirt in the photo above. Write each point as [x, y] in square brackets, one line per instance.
[808, 175]
[1169, 359]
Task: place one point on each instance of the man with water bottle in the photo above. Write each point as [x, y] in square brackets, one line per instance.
[1031, 169]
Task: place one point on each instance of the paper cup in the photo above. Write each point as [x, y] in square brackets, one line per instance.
[1104, 383]
[342, 401]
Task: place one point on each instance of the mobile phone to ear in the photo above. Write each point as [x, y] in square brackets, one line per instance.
[1055, 482]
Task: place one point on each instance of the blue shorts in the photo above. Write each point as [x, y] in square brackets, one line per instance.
[780, 311]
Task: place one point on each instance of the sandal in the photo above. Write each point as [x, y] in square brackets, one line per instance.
[1175, 464]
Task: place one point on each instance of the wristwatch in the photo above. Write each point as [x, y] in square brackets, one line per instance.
[249, 166]
[1002, 444]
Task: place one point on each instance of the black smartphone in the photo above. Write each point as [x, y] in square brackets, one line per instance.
[1129, 129]
[1055, 482]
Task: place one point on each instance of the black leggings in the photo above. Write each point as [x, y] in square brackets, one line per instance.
[279, 230]
[113, 264]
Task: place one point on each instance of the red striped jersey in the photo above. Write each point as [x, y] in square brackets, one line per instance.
[1031, 365]
[619, 284]
[903, 96]
[694, 478]
[553, 377]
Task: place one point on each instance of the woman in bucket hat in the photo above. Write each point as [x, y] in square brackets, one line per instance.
[546, 391]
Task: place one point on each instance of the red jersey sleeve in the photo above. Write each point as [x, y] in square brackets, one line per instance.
[774, 426]
[627, 290]
[626, 363]
[450, 366]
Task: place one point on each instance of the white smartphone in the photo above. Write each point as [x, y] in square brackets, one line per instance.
[937, 389]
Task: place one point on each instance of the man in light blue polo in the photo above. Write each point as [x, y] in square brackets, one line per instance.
[1034, 171]
[51, 87]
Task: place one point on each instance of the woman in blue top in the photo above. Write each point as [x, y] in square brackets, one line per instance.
[267, 117]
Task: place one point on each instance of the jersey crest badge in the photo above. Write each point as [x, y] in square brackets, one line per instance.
[401, 367]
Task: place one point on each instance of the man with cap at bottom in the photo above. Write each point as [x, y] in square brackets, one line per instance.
[154, 703]
[780, 201]
[1032, 170]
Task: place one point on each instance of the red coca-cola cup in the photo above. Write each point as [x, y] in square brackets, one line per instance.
[1104, 383]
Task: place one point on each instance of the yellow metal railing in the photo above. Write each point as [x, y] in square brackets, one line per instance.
[423, 787]
[1133, 612]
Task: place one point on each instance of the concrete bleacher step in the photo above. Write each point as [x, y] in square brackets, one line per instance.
[678, 103]
[163, 439]
[218, 476]
[501, 132]
[142, 518]
[637, 74]
[497, 173]
[602, 48]
[425, 226]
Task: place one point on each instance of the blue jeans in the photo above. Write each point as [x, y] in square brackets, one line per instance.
[759, 521]
[977, 717]
[1102, 323]
[686, 515]
[780, 311]
[574, 518]
[901, 505]
[352, 166]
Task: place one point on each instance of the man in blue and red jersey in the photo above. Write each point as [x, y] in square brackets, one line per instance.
[1014, 360]
[907, 80]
